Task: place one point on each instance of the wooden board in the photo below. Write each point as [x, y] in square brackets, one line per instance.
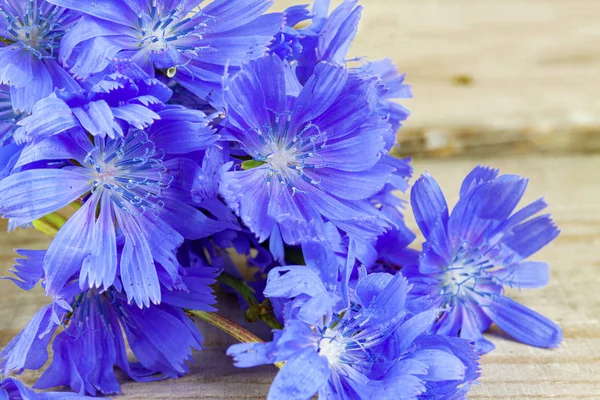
[512, 371]
[490, 77]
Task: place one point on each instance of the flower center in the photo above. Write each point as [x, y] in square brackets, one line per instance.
[332, 346]
[281, 160]
[457, 279]
[132, 169]
[159, 29]
[461, 277]
[37, 28]
[291, 155]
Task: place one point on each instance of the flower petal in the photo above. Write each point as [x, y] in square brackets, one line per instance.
[292, 281]
[300, 377]
[524, 324]
[70, 247]
[428, 204]
[524, 275]
[29, 195]
[113, 11]
[443, 366]
[138, 271]
[319, 93]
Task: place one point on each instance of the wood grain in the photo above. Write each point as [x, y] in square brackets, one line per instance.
[491, 77]
[512, 371]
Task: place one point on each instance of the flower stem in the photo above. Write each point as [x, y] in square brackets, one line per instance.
[229, 327]
[241, 287]
[226, 325]
[256, 311]
[50, 224]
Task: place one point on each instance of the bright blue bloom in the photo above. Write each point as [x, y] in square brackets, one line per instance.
[33, 30]
[374, 347]
[135, 189]
[470, 255]
[200, 42]
[13, 389]
[316, 152]
[287, 43]
[108, 108]
[92, 344]
[326, 38]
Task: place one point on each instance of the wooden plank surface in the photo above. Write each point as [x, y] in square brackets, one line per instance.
[512, 371]
[489, 76]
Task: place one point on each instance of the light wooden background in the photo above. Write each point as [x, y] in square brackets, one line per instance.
[531, 107]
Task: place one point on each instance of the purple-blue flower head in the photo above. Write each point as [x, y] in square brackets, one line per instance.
[471, 254]
[312, 153]
[327, 38]
[33, 30]
[376, 347]
[193, 43]
[90, 343]
[135, 189]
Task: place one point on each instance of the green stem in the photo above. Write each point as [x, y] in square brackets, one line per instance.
[231, 328]
[241, 287]
[227, 326]
[256, 310]
[50, 224]
[46, 228]
[55, 219]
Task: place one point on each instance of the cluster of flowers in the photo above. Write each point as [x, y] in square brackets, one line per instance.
[177, 130]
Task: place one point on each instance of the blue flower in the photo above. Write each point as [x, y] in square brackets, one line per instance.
[327, 38]
[91, 343]
[470, 255]
[33, 30]
[135, 189]
[287, 43]
[374, 347]
[193, 43]
[13, 389]
[313, 154]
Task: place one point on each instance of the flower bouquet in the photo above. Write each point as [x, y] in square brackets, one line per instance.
[174, 148]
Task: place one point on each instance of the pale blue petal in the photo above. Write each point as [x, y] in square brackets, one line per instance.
[428, 204]
[524, 324]
[29, 195]
[137, 269]
[524, 275]
[70, 247]
[292, 281]
[301, 377]
[319, 93]
[246, 355]
[529, 237]
[113, 11]
[231, 14]
[476, 177]
[100, 267]
[442, 365]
